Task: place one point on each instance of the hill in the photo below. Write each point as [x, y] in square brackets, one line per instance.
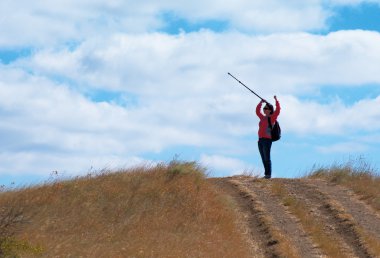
[154, 211]
[174, 210]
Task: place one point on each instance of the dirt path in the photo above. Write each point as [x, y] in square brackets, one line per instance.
[319, 205]
[254, 230]
[276, 231]
[363, 214]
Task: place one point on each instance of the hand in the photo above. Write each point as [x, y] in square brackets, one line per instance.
[275, 97]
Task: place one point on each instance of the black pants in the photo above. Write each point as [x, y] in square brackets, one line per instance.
[264, 148]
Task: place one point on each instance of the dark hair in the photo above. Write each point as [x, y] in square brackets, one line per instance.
[270, 107]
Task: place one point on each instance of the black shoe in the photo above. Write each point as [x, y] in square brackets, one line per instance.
[267, 177]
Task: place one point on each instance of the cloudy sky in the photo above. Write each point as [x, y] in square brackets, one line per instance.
[93, 84]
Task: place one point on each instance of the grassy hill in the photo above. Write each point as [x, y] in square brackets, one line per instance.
[174, 210]
[161, 211]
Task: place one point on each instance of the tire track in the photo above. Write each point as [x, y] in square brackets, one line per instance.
[254, 230]
[362, 218]
[283, 220]
[362, 213]
[320, 205]
[271, 214]
[270, 224]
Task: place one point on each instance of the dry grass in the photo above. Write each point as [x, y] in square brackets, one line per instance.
[310, 224]
[372, 243]
[357, 175]
[364, 180]
[162, 211]
[12, 219]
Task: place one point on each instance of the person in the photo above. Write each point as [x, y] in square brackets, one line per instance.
[265, 141]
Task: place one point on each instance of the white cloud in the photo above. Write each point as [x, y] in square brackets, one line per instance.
[198, 62]
[69, 164]
[183, 94]
[343, 147]
[41, 105]
[335, 118]
[40, 23]
[48, 125]
[259, 15]
[226, 166]
[352, 2]
[185, 77]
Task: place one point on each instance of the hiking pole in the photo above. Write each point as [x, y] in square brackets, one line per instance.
[247, 88]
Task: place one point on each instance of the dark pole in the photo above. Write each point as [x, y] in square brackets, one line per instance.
[247, 87]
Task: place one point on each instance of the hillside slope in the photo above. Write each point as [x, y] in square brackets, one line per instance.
[156, 211]
[304, 217]
[174, 210]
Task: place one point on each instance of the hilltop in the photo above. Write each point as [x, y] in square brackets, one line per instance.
[150, 211]
[174, 210]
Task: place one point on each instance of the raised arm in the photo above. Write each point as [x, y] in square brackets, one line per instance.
[258, 109]
[276, 113]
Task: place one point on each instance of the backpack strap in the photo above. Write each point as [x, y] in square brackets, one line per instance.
[269, 123]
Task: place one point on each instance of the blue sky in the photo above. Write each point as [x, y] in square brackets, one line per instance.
[365, 16]
[94, 84]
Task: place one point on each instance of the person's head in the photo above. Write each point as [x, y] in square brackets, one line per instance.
[268, 109]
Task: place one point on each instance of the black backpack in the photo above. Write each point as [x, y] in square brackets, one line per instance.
[275, 130]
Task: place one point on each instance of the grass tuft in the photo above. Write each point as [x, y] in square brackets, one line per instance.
[355, 174]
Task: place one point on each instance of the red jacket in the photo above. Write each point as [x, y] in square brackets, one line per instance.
[264, 130]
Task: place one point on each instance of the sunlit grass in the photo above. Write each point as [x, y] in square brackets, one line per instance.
[355, 174]
[363, 180]
[168, 210]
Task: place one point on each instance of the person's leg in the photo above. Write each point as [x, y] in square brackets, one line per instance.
[266, 147]
[261, 150]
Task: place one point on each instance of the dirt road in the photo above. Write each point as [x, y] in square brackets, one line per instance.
[302, 218]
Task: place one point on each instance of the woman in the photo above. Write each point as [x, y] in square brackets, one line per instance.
[265, 138]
